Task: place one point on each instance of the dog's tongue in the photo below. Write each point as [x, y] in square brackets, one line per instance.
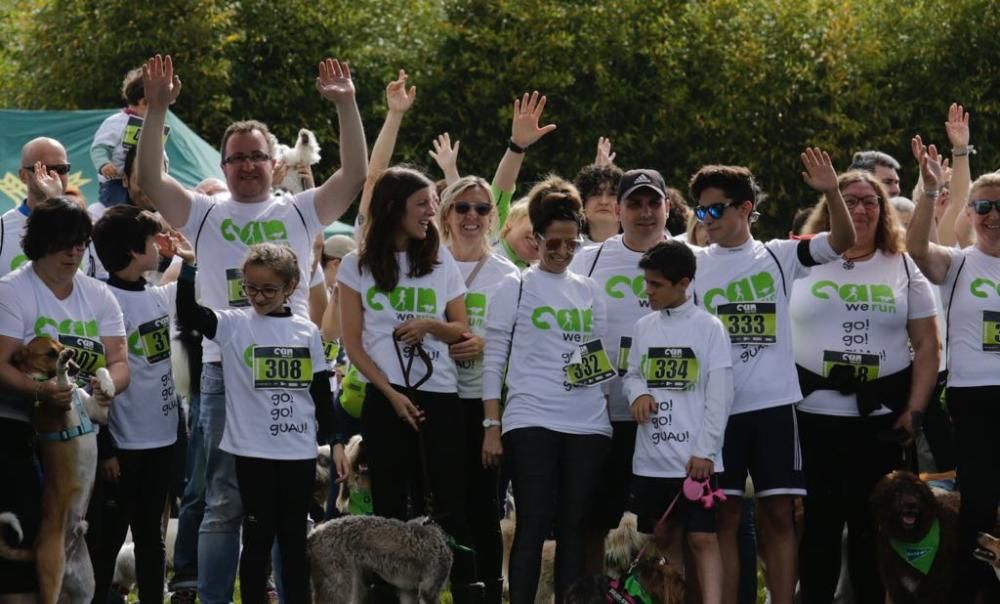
[909, 521]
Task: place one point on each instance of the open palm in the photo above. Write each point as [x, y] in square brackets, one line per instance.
[334, 82]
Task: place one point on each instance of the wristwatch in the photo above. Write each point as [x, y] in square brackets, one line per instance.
[490, 423]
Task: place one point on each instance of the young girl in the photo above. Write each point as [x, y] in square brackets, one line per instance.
[277, 409]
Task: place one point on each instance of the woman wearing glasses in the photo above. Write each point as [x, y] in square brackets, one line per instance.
[402, 303]
[863, 396]
[969, 281]
[545, 329]
[468, 218]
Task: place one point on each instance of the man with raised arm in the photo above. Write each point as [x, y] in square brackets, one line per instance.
[221, 230]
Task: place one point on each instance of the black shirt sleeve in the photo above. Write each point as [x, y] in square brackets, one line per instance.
[323, 401]
[190, 314]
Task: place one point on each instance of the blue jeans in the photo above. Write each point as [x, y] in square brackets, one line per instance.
[192, 505]
[219, 535]
[112, 193]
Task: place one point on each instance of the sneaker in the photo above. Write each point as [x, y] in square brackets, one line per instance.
[184, 596]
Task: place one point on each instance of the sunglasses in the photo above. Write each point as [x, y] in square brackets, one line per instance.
[252, 290]
[983, 206]
[716, 210]
[553, 244]
[463, 207]
[57, 168]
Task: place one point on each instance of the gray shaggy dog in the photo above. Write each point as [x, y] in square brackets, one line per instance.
[413, 557]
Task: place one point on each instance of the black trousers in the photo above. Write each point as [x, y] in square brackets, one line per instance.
[276, 495]
[136, 500]
[556, 478]
[843, 460]
[976, 416]
[394, 463]
[482, 499]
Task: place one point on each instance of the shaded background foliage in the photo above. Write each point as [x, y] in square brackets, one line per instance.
[675, 83]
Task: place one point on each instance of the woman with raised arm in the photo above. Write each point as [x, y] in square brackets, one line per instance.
[851, 322]
[543, 332]
[968, 278]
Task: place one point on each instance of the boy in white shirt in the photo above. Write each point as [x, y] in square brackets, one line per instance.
[680, 385]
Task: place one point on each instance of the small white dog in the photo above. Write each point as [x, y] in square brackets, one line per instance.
[305, 153]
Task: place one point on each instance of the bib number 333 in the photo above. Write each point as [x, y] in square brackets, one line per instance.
[750, 322]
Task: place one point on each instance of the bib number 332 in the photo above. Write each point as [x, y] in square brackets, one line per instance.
[593, 368]
[281, 367]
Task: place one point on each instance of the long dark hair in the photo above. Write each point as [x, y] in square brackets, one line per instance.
[387, 209]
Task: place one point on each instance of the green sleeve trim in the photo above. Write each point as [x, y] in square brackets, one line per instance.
[503, 199]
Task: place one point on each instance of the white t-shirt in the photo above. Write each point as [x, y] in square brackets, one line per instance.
[672, 354]
[11, 254]
[973, 315]
[477, 298]
[623, 285]
[222, 231]
[747, 287]
[120, 131]
[145, 415]
[413, 297]
[862, 311]
[269, 364]
[557, 314]
[29, 309]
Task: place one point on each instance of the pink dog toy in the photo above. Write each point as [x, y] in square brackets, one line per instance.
[701, 490]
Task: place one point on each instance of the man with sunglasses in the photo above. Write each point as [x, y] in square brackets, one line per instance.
[614, 264]
[746, 284]
[221, 231]
[49, 157]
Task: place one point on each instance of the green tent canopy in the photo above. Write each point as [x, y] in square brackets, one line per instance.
[191, 158]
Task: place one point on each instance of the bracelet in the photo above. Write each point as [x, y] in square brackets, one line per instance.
[932, 195]
[963, 151]
[515, 147]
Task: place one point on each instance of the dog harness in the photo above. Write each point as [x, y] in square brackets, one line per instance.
[85, 426]
[920, 555]
[629, 591]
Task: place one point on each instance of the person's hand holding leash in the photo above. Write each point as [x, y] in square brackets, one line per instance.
[700, 468]
[406, 410]
[469, 348]
[412, 332]
[643, 408]
[111, 469]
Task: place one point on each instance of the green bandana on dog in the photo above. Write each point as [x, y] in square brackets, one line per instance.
[920, 555]
[359, 503]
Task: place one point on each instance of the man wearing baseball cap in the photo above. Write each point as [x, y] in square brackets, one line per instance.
[614, 264]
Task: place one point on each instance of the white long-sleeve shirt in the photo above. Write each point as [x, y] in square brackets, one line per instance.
[680, 357]
[556, 314]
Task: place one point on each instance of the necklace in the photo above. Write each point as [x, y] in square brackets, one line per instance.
[849, 260]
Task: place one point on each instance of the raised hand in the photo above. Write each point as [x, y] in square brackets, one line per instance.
[160, 85]
[957, 126]
[819, 173]
[605, 157]
[444, 154]
[397, 96]
[524, 130]
[334, 82]
[930, 163]
[46, 183]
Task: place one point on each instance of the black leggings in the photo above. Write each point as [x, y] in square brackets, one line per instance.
[976, 415]
[843, 459]
[394, 463]
[482, 500]
[136, 500]
[555, 478]
[276, 495]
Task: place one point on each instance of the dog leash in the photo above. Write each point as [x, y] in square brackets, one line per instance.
[411, 389]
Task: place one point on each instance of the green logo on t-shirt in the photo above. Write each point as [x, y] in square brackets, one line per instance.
[620, 287]
[981, 287]
[572, 321]
[17, 261]
[420, 300]
[254, 231]
[47, 327]
[475, 308]
[858, 296]
[753, 288]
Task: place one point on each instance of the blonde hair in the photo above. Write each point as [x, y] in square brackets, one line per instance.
[692, 229]
[990, 179]
[889, 236]
[451, 194]
[518, 212]
[279, 258]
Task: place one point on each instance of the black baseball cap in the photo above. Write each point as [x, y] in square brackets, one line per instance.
[633, 180]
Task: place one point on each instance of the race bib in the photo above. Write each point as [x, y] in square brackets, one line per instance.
[864, 366]
[991, 331]
[234, 288]
[130, 137]
[750, 322]
[671, 369]
[281, 367]
[155, 339]
[89, 356]
[593, 368]
[624, 348]
[330, 351]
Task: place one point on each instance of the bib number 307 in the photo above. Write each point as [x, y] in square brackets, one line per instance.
[593, 368]
[281, 367]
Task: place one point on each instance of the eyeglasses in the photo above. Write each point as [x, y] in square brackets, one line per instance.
[553, 244]
[463, 207]
[255, 158]
[869, 203]
[57, 168]
[716, 210]
[983, 206]
[252, 290]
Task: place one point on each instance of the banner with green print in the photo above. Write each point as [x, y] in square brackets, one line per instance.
[192, 159]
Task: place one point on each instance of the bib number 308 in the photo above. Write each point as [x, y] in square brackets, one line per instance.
[282, 367]
[594, 367]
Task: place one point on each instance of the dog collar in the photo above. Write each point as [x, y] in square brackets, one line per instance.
[920, 555]
[629, 591]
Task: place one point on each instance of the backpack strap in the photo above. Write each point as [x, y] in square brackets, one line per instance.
[951, 297]
[781, 271]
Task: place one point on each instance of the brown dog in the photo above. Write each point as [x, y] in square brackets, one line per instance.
[69, 461]
[989, 551]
